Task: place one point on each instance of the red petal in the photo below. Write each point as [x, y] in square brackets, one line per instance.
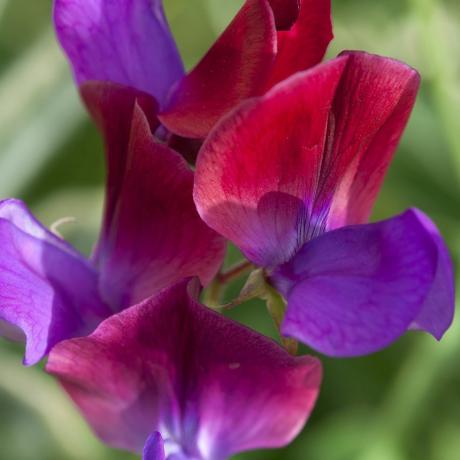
[305, 44]
[235, 68]
[371, 109]
[152, 234]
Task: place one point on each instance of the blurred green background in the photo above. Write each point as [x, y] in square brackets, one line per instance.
[400, 404]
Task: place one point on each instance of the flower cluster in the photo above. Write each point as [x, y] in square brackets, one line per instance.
[259, 144]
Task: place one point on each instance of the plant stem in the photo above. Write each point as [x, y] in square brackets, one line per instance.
[277, 308]
[234, 272]
[213, 294]
[215, 291]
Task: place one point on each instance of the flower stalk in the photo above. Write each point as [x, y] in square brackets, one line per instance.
[216, 290]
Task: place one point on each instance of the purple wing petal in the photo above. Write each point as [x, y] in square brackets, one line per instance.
[355, 290]
[47, 289]
[211, 386]
[120, 41]
[152, 235]
[154, 448]
[438, 309]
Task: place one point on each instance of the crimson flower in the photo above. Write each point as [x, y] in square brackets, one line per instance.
[291, 177]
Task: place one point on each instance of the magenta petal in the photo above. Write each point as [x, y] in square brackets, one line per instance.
[112, 108]
[154, 448]
[152, 235]
[210, 386]
[305, 42]
[438, 309]
[354, 290]
[119, 41]
[47, 289]
[235, 68]
[257, 172]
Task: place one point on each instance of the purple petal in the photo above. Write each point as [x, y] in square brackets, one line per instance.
[355, 290]
[154, 448]
[152, 235]
[210, 386]
[119, 41]
[438, 309]
[47, 289]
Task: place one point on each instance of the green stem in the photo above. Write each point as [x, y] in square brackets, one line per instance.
[277, 308]
[213, 294]
[216, 290]
[234, 272]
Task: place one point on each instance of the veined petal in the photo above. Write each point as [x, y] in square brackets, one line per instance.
[371, 108]
[354, 290]
[152, 235]
[235, 68]
[119, 41]
[47, 289]
[305, 42]
[438, 309]
[257, 172]
[211, 386]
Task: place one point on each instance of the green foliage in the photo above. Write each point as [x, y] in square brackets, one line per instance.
[400, 404]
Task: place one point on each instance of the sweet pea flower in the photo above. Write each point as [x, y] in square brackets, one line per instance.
[173, 379]
[151, 236]
[150, 368]
[129, 42]
[291, 177]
